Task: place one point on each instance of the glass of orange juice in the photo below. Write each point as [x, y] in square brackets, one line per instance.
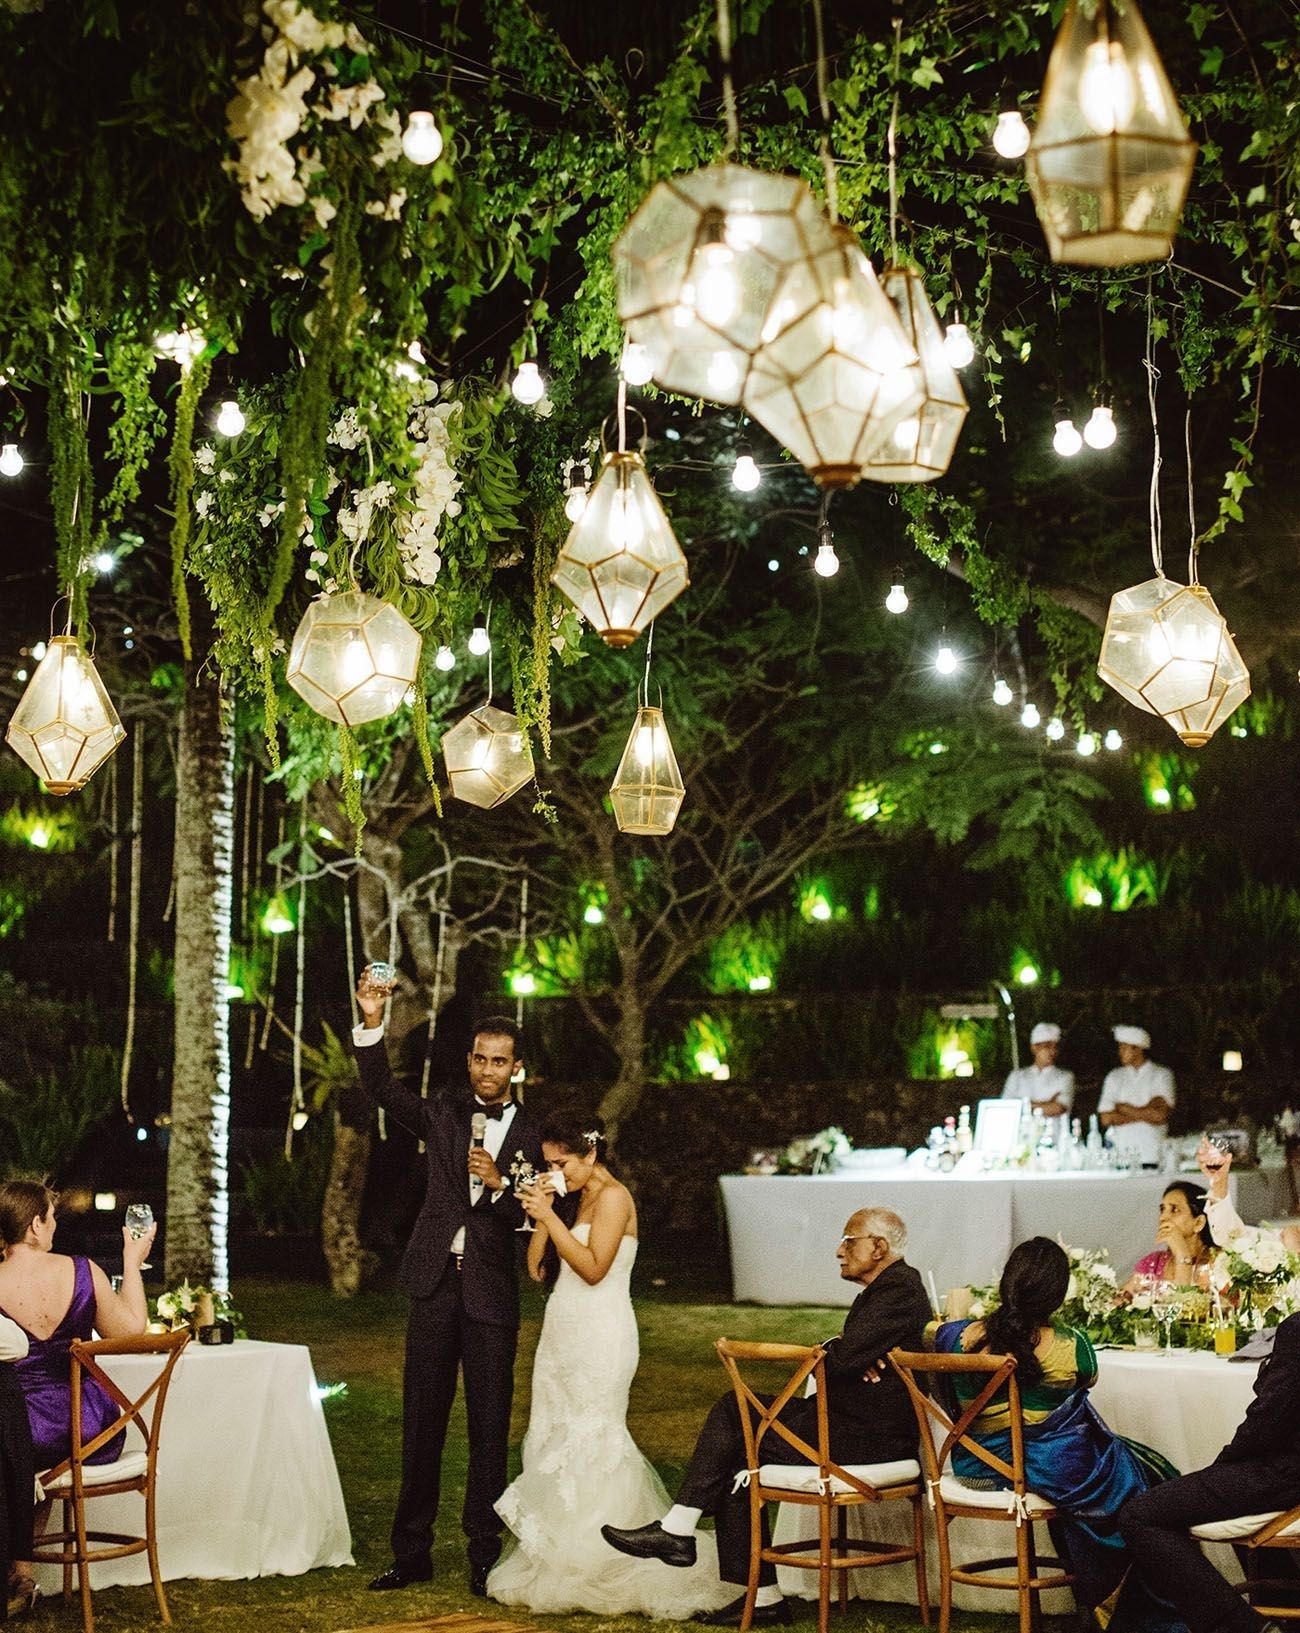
[1225, 1338]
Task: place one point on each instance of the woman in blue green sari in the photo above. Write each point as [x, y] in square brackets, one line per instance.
[1072, 1458]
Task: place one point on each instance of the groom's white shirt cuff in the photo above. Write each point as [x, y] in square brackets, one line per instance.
[363, 1036]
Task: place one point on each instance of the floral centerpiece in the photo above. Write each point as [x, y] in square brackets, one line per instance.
[816, 1153]
[1262, 1275]
[193, 1305]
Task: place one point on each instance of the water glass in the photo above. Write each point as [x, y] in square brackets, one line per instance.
[139, 1217]
[380, 973]
[1146, 1336]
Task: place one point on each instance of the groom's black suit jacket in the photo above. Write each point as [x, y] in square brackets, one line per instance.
[489, 1277]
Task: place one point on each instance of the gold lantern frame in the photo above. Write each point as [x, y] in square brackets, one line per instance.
[647, 791]
[1110, 160]
[921, 449]
[65, 725]
[487, 757]
[387, 644]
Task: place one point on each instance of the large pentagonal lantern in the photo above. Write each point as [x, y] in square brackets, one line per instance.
[697, 267]
[1110, 160]
[836, 374]
[353, 658]
[487, 757]
[65, 725]
[920, 446]
[1167, 649]
[647, 791]
[621, 564]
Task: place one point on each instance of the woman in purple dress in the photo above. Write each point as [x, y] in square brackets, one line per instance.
[55, 1299]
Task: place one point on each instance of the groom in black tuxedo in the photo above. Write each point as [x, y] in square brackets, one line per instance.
[460, 1270]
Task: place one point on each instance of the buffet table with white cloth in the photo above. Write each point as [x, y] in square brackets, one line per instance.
[783, 1227]
[247, 1484]
[1186, 1405]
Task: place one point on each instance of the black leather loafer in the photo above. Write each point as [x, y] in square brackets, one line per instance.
[777, 1615]
[400, 1576]
[651, 1542]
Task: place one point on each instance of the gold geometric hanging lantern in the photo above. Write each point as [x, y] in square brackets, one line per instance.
[487, 757]
[1110, 160]
[647, 791]
[920, 446]
[697, 266]
[65, 725]
[621, 564]
[1167, 649]
[836, 374]
[353, 657]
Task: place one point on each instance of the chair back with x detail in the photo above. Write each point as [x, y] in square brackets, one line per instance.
[1251, 1535]
[76, 1480]
[943, 1427]
[814, 1479]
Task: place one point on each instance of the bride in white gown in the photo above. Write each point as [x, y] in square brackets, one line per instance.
[580, 1464]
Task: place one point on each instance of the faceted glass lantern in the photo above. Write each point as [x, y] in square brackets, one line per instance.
[836, 374]
[353, 658]
[487, 757]
[1111, 160]
[920, 447]
[1167, 649]
[697, 266]
[65, 725]
[621, 564]
[647, 791]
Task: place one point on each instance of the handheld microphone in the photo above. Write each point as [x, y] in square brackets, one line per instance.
[478, 1129]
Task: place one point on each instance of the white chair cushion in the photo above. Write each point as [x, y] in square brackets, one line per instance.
[1245, 1525]
[804, 1476]
[952, 1491]
[128, 1467]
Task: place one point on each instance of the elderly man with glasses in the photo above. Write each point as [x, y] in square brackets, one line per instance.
[871, 1419]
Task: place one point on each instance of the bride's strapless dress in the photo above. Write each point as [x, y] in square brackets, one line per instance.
[582, 1469]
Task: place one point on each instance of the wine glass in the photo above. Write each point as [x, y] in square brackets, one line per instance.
[523, 1183]
[1165, 1305]
[139, 1217]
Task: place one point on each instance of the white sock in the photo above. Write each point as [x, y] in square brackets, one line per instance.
[770, 1595]
[681, 1521]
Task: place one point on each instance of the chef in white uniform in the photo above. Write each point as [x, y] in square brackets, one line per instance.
[1044, 1085]
[1137, 1097]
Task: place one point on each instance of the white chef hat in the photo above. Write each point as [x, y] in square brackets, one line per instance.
[1138, 1036]
[1045, 1032]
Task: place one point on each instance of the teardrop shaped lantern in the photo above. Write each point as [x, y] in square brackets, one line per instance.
[836, 374]
[65, 725]
[621, 564]
[353, 657]
[1110, 160]
[1168, 650]
[647, 791]
[487, 757]
[921, 445]
[697, 266]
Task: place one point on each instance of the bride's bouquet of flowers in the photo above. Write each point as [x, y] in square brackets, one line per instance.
[1262, 1275]
[816, 1153]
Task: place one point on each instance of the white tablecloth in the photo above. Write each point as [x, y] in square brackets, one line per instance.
[246, 1479]
[783, 1228]
[1187, 1406]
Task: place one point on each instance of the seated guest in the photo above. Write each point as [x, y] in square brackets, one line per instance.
[56, 1299]
[17, 1475]
[1257, 1472]
[1183, 1255]
[1046, 1086]
[1226, 1226]
[871, 1419]
[1071, 1457]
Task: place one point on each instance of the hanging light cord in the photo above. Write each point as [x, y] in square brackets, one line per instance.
[1193, 548]
[645, 679]
[487, 630]
[728, 85]
[829, 168]
[1153, 375]
[891, 136]
[622, 415]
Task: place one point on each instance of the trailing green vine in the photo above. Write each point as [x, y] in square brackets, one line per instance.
[180, 472]
[71, 477]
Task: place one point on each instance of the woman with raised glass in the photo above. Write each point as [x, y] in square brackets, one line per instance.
[1182, 1253]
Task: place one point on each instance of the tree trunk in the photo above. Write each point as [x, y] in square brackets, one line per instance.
[198, 1202]
[623, 1095]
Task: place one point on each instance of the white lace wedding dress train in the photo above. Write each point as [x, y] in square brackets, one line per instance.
[582, 1469]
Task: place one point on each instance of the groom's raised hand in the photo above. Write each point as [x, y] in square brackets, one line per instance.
[371, 998]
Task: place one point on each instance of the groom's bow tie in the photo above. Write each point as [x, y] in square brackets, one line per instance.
[492, 1112]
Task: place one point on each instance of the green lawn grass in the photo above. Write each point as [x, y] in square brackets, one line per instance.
[360, 1342]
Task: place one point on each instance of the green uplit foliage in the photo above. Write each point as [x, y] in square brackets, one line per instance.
[948, 1048]
[705, 1051]
[870, 802]
[746, 957]
[1117, 880]
[42, 829]
[549, 967]
[817, 904]
[1167, 781]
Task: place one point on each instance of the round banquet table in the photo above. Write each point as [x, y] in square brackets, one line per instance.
[1186, 1405]
[247, 1484]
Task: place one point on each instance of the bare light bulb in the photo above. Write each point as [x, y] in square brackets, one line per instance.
[1106, 90]
[528, 386]
[422, 140]
[1100, 430]
[958, 347]
[1086, 745]
[480, 642]
[1001, 693]
[896, 600]
[104, 563]
[827, 562]
[575, 501]
[1066, 440]
[444, 658]
[945, 660]
[1113, 740]
[1011, 134]
[1029, 716]
[745, 474]
[905, 434]
[637, 366]
[1055, 729]
[712, 291]
[11, 461]
[231, 421]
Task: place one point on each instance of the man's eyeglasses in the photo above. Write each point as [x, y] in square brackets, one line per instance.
[862, 1236]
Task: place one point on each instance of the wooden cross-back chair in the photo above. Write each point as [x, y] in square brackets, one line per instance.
[817, 1481]
[943, 1427]
[1252, 1535]
[75, 1481]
